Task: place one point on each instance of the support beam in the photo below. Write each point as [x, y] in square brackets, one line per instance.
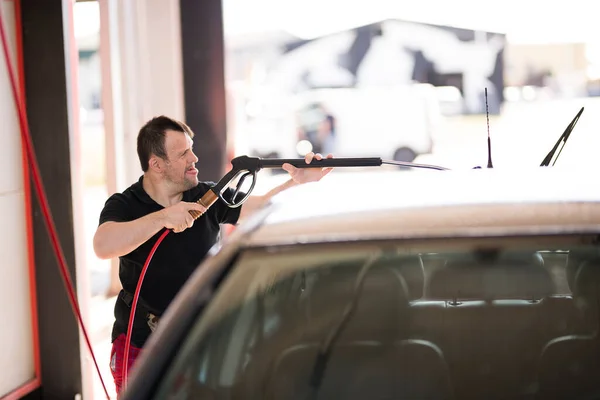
[204, 83]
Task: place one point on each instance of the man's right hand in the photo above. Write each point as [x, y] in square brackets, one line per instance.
[115, 239]
[178, 218]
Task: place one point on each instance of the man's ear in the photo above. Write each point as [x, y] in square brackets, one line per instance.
[155, 164]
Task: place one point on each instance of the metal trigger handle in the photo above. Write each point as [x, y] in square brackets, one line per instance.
[233, 203]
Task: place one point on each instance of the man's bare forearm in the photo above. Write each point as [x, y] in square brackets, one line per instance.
[115, 239]
[256, 202]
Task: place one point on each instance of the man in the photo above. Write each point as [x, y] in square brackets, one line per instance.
[317, 126]
[131, 222]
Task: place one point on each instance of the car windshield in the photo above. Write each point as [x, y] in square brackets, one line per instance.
[454, 318]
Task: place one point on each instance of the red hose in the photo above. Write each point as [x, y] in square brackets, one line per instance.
[36, 176]
[134, 306]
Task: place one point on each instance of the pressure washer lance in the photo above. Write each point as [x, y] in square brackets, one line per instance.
[249, 166]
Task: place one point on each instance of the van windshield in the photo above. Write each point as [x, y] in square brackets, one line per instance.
[455, 318]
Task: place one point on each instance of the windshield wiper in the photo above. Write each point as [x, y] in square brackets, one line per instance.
[561, 140]
[324, 354]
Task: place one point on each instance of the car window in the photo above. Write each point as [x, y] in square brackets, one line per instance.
[457, 318]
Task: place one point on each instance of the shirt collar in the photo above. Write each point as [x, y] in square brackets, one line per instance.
[138, 190]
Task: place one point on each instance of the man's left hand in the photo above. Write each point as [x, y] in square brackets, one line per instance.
[305, 175]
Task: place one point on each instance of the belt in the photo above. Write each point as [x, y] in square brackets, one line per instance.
[152, 317]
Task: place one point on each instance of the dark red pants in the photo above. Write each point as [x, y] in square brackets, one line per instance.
[117, 354]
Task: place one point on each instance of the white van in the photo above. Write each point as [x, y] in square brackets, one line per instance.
[388, 122]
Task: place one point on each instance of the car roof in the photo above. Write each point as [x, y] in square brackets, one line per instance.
[382, 203]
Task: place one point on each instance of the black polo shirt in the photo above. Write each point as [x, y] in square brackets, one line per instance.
[175, 258]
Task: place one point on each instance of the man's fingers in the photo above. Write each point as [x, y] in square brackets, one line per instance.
[197, 207]
[309, 157]
[289, 168]
[327, 170]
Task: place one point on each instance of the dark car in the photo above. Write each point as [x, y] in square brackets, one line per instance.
[480, 284]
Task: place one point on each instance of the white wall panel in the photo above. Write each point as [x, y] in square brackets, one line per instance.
[16, 349]
[11, 178]
[16, 333]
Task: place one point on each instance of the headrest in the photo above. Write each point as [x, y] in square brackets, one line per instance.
[382, 303]
[503, 277]
[575, 259]
[573, 263]
[410, 269]
[587, 280]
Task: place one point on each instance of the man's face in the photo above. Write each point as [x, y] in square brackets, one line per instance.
[180, 170]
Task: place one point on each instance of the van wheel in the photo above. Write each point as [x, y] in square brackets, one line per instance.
[404, 154]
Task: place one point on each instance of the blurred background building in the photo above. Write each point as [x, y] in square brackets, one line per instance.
[281, 68]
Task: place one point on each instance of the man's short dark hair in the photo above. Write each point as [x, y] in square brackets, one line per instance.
[151, 138]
